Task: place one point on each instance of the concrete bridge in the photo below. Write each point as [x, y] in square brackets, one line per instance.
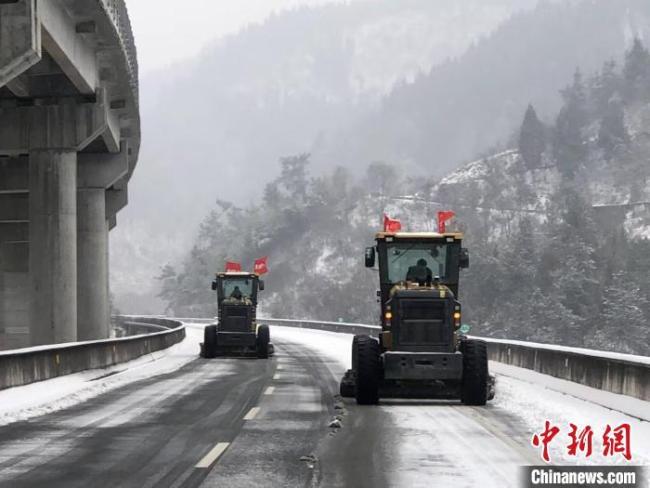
[69, 142]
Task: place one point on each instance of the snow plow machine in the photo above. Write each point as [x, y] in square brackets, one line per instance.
[422, 350]
[237, 332]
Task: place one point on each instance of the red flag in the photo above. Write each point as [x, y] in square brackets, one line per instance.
[443, 217]
[391, 225]
[232, 266]
[260, 266]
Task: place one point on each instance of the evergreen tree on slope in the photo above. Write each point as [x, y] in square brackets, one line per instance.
[532, 139]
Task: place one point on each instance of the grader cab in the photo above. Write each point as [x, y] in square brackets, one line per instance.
[237, 331]
[422, 351]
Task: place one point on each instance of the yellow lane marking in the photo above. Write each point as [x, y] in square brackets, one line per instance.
[269, 390]
[213, 455]
[252, 413]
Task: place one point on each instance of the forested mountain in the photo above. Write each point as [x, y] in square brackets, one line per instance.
[471, 103]
[214, 127]
[561, 226]
[558, 226]
[418, 84]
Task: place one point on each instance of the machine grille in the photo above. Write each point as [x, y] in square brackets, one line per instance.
[236, 319]
[424, 323]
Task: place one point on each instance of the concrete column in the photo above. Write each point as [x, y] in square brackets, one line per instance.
[92, 273]
[15, 299]
[3, 319]
[14, 278]
[53, 245]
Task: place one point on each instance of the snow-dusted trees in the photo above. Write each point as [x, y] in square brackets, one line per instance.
[622, 324]
[557, 277]
[569, 146]
[612, 134]
[605, 86]
[532, 139]
[636, 73]
[304, 225]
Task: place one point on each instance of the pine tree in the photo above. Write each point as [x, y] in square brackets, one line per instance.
[613, 132]
[636, 73]
[169, 281]
[569, 147]
[294, 176]
[638, 271]
[548, 318]
[622, 324]
[520, 258]
[382, 178]
[532, 139]
[569, 264]
[606, 85]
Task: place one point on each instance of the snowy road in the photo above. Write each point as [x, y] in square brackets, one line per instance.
[185, 421]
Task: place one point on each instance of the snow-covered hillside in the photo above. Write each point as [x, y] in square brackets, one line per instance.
[502, 188]
[214, 127]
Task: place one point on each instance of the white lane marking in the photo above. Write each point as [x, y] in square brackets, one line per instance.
[252, 413]
[276, 376]
[269, 390]
[209, 459]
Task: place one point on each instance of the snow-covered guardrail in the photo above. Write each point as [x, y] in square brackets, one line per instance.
[623, 374]
[342, 327]
[616, 373]
[24, 366]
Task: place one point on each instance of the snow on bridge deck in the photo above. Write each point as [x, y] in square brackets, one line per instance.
[418, 443]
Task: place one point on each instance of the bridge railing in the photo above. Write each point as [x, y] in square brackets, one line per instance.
[118, 13]
[623, 374]
[24, 366]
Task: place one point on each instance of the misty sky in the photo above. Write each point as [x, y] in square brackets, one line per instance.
[168, 30]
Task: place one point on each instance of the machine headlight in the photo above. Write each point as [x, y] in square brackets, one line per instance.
[457, 317]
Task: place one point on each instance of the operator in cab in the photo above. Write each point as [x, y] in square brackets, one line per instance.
[420, 273]
[236, 294]
[236, 297]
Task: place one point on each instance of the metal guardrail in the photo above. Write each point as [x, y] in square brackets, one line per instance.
[341, 327]
[616, 373]
[24, 366]
[132, 328]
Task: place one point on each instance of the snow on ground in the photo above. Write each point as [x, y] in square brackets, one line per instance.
[520, 393]
[336, 346]
[536, 398]
[24, 402]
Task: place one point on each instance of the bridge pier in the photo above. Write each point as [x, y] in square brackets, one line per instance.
[14, 278]
[3, 333]
[14, 295]
[53, 245]
[69, 142]
[96, 173]
[93, 314]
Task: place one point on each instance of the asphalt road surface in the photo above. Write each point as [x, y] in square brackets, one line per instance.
[248, 422]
